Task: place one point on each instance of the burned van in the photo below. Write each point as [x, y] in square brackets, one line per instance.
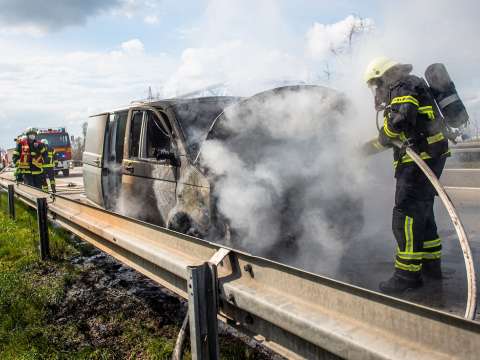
[139, 161]
[171, 163]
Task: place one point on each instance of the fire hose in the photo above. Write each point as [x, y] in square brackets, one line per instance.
[457, 223]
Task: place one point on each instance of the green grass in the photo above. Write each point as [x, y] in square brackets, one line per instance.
[31, 291]
[29, 288]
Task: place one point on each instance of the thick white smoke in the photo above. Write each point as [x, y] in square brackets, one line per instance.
[285, 180]
[254, 52]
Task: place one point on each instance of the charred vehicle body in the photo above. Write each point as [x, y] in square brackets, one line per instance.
[145, 161]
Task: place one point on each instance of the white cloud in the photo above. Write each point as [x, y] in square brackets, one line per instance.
[230, 62]
[64, 88]
[133, 46]
[151, 19]
[324, 40]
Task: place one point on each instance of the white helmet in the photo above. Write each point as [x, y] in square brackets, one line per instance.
[378, 67]
[44, 141]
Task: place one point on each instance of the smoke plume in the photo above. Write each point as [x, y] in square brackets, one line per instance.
[298, 146]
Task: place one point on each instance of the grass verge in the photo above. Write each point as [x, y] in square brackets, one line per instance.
[38, 320]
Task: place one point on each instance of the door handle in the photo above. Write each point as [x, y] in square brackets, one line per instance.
[129, 168]
[96, 162]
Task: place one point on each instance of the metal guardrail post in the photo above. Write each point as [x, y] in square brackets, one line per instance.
[202, 310]
[43, 228]
[11, 201]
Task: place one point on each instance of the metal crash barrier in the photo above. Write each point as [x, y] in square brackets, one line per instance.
[298, 314]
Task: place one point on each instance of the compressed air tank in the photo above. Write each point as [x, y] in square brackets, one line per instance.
[446, 96]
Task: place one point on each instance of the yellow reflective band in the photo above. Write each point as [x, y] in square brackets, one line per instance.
[432, 255]
[435, 138]
[412, 256]
[377, 145]
[422, 109]
[432, 243]
[404, 99]
[16, 152]
[402, 136]
[408, 228]
[407, 235]
[447, 153]
[407, 158]
[48, 166]
[388, 132]
[33, 153]
[409, 267]
[427, 110]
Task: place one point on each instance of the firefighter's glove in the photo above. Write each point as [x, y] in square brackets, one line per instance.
[410, 143]
[371, 147]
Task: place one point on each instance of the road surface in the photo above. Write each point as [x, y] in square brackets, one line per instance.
[368, 259]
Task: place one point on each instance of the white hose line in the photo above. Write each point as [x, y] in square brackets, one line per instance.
[457, 223]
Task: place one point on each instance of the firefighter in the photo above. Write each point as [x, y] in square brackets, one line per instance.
[49, 165]
[410, 116]
[29, 157]
[16, 154]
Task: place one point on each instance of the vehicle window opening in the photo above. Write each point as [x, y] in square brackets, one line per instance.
[158, 142]
[135, 132]
[117, 127]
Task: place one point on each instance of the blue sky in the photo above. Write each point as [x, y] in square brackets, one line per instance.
[62, 61]
[45, 49]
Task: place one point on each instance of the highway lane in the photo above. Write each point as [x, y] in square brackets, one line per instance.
[368, 259]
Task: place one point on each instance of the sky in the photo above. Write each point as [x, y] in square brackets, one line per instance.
[62, 61]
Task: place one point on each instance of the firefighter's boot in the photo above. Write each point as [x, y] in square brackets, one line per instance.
[432, 269]
[400, 283]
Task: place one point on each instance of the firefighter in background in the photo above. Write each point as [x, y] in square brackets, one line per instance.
[28, 158]
[49, 166]
[409, 116]
[16, 154]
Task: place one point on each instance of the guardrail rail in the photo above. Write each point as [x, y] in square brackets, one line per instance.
[298, 314]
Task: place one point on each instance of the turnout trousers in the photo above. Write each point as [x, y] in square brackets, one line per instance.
[413, 220]
[50, 176]
[35, 180]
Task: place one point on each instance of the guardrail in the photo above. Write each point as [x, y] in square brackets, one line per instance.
[298, 314]
[466, 152]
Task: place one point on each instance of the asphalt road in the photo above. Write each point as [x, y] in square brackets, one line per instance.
[72, 185]
[368, 259]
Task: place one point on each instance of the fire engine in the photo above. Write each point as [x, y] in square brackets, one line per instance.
[59, 139]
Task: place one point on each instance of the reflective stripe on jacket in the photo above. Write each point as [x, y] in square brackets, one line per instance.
[50, 158]
[31, 157]
[410, 115]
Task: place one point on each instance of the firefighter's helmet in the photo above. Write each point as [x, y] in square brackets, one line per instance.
[378, 67]
[44, 141]
[31, 130]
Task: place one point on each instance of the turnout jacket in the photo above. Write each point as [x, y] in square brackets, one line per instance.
[50, 157]
[29, 157]
[410, 116]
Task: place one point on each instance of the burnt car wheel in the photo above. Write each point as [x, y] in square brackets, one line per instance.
[182, 223]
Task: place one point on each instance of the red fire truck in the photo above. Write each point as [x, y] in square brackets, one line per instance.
[59, 139]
